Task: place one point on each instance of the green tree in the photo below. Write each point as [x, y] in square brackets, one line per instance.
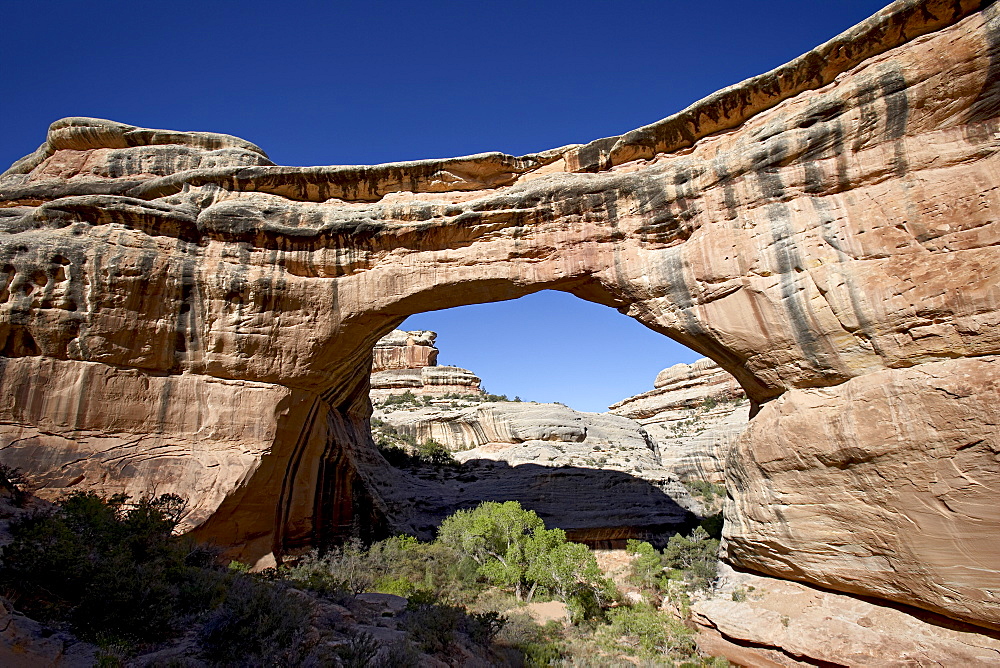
[568, 569]
[496, 536]
[647, 566]
[696, 555]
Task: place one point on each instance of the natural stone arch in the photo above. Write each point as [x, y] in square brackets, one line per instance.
[181, 315]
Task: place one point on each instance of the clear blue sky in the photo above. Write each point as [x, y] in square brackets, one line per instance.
[317, 83]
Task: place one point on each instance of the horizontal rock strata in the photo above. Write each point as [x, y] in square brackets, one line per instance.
[178, 314]
[695, 413]
[407, 362]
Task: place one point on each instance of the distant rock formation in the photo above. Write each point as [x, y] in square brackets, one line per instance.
[407, 362]
[554, 460]
[695, 414]
[404, 350]
[557, 461]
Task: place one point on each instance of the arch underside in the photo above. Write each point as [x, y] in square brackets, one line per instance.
[179, 314]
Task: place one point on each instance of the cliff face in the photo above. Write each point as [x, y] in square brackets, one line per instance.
[179, 314]
[695, 413]
[404, 350]
[407, 362]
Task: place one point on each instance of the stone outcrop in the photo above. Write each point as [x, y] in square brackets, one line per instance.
[179, 314]
[771, 622]
[407, 362]
[404, 350]
[695, 413]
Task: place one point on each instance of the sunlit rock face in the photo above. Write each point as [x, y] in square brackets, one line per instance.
[407, 362]
[178, 314]
[695, 413]
[404, 350]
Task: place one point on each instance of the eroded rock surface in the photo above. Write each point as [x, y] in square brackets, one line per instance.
[771, 622]
[178, 314]
[695, 414]
[407, 362]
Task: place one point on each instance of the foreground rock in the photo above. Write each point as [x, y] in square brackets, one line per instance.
[848, 534]
[774, 622]
[178, 314]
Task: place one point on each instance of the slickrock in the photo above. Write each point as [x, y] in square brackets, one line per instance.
[407, 362]
[695, 413]
[178, 314]
[885, 485]
[775, 622]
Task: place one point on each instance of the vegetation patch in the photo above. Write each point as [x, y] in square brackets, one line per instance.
[113, 572]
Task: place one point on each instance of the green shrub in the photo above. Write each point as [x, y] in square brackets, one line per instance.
[397, 456]
[429, 452]
[432, 452]
[432, 627]
[483, 627]
[406, 398]
[347, 568]
[708, 491]
[258, 623]
[646, 632]
[647, 566]
[695, 555]
[110, 568]
[360, 651]
[712, 525]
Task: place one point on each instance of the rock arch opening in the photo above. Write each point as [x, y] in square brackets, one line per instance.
[560, 453]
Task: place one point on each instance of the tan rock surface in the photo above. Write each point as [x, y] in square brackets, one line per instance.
[888, 480]
[404, 350]
[781, 623]
[834, 221]
[407, 362]
[695, 414]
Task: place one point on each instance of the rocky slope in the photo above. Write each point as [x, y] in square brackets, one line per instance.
[179, 314]
[695, 413]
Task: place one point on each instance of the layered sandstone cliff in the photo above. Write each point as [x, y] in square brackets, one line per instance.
[179, 314]
[407, 362]
[695, 413]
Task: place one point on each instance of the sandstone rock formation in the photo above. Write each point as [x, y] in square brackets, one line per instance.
[561, 463]
[695, 414]
[404, 350]
[179, 314]
[407, 362]
[771, 622]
